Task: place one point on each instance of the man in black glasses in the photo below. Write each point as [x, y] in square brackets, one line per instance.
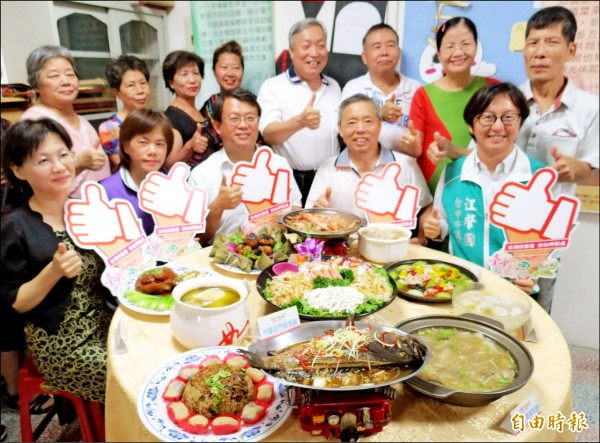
[236, 115]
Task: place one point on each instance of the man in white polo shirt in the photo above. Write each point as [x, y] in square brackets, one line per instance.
[392, 91]
[338, 177]
[562, 128]
[236, 115]
[300, 105]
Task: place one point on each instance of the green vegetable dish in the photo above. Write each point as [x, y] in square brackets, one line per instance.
[335, 288]
[466, 361]
[429, 279]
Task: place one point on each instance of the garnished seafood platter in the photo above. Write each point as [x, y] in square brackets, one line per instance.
[322, 223]
[334, 355]
[335, 287]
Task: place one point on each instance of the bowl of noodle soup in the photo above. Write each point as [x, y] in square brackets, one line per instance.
[474, 361]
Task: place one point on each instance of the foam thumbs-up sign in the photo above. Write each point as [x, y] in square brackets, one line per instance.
[170, 195]
[384, 199]
[94, 220]
[259, 181]
[531, 208]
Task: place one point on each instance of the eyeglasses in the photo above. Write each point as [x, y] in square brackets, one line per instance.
[490, 119]
[237, 119]
[47, 162]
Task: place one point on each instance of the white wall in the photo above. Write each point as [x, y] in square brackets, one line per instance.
[15, 16]
[178, 27]
[575, 307]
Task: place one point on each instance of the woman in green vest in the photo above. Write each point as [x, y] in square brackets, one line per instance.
[467, 186]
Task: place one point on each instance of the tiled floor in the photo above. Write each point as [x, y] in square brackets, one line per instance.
[585, 399]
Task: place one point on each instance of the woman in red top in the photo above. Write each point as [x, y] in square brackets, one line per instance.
[437, 132]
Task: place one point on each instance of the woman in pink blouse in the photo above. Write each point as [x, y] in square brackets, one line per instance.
[52, 74]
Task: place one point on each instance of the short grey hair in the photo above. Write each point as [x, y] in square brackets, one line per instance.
[356, 98]
[303, 25]
[38, 58]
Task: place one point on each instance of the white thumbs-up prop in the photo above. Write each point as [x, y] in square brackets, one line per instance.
[531, 207]
[382, 195]
[170, 195]
[94, 220]
[258, 180]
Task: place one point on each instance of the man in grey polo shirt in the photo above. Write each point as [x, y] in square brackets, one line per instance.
[300, 105]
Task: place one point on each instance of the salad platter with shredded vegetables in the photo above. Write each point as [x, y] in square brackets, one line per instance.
[334, 287]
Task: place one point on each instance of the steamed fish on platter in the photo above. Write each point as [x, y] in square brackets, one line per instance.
[345, 358]
[344, 348]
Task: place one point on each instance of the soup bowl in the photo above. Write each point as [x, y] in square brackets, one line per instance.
[491, 330]
[383, 242]
[512, 309]
[195, 326]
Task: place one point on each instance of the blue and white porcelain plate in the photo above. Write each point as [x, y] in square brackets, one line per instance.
[129, 284]
[152, 409]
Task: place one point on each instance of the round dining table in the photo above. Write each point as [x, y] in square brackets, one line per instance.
[139, 344]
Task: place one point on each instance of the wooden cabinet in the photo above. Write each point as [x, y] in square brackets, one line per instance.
[94, 32]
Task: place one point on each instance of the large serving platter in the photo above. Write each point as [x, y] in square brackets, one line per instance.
[271, 271]
[129, 284]
[152, 409]
[309, 330]
[349, 223]
[412, 296]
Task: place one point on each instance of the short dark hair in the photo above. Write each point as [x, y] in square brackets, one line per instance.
[482, 99]
[176, 60]
[447, 25]
[378, 27]
[554, 15]
[240, 94]
[116, 68]
[21, 141]
[231, 47]
[142, 121]
[355, 99]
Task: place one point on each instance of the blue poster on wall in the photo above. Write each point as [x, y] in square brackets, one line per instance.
[494, 22]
